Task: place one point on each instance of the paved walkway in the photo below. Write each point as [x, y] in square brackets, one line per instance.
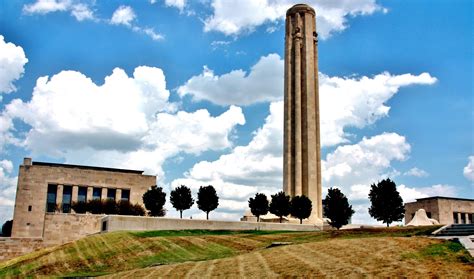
[466, 241]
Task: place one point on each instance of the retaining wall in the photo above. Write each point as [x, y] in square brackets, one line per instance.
[11, 247]
[138, 223]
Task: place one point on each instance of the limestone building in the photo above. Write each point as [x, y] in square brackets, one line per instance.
[302, 150]
[443, 209]
[47, 188]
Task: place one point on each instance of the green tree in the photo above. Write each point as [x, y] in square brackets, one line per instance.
[207, 199]
[386, 202]
[300, 207]
[336, 207]
[280, 205]
[181, 199]
[154, 199]
[7, 228]
[258, 205]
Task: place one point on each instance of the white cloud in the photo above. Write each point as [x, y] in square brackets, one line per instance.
[7, 190]
[79, 10]
[180, 4]
[12, 63]
[344, 101]
[416, 172]
[125, 122]
[123, 15]
[233, 17]
[263, 83]
[469, 169]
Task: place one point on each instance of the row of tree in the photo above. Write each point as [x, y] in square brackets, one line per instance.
[181, 199]
[386, 205]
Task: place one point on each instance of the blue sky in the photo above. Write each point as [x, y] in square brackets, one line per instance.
[191, 91]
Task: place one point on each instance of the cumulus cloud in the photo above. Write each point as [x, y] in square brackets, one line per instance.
[235, 17]
[125, 122]
[81, 11]
[123, 15]
[344, 101]
[12, 63]
[263, 83]
[7, 190]
[416, 172]
[469, 169]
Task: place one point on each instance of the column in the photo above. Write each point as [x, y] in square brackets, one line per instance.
[89, 194]
[466, 215]
[298, 137]
[118, 195]
[59, 197]
[104, 194]
[459, 218]
[75, 190]
[287, 145]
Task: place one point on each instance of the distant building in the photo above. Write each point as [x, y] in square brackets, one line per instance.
[443, 209]
[46, 189]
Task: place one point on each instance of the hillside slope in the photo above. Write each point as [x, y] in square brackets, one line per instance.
[238, 253]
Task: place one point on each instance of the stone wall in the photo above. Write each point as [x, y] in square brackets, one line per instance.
[440, 208]
[61, 228]
[138, 223]
[11, 247]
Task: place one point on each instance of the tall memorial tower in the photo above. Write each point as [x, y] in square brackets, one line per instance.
[302, 149]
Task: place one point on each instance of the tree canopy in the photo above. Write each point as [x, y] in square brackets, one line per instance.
[181, 199]
[7, 228]
[386, 202]
[258, 205]
[280, 205]
[207, 199]
[301, 207]
[154, 199]
[336, 207]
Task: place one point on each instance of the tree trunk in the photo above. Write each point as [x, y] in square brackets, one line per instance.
[207, 215]
[388, 224]
[281, 218]
[258, 218]
[181, 214]
[301, 221]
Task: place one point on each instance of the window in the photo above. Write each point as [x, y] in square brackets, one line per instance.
[455, 218]
[29, 208]
[96, 193]
[51, 198]
[111, 194]
[125, 195]
[82, 194]
[67, 196]
[463, 218]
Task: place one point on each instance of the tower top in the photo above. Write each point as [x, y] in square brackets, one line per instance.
[300, 8]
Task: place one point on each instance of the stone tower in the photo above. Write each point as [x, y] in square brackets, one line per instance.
[302, 150]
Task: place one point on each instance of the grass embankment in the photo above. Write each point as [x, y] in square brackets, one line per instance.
[234, 253]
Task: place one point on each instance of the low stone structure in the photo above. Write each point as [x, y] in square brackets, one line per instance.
[11, 247]
[138, 223]
[421, 219]
[445, 210]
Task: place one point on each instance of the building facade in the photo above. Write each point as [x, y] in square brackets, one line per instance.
[52, 188]
[443, 209]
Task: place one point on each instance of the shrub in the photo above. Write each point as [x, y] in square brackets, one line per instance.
[110, 207]
[95, 207]
[138, 210]
[258, 205]
[181, 199]
[280, 205]
[79, 207]
[207, 199]
[336, 207]
[386, 202]
[301, 207]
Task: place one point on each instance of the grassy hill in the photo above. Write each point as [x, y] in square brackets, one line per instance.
[379, 252]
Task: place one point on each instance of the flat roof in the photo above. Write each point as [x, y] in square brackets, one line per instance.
[445, 198]
[85, 167]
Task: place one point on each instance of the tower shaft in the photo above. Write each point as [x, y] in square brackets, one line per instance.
[302, 149]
